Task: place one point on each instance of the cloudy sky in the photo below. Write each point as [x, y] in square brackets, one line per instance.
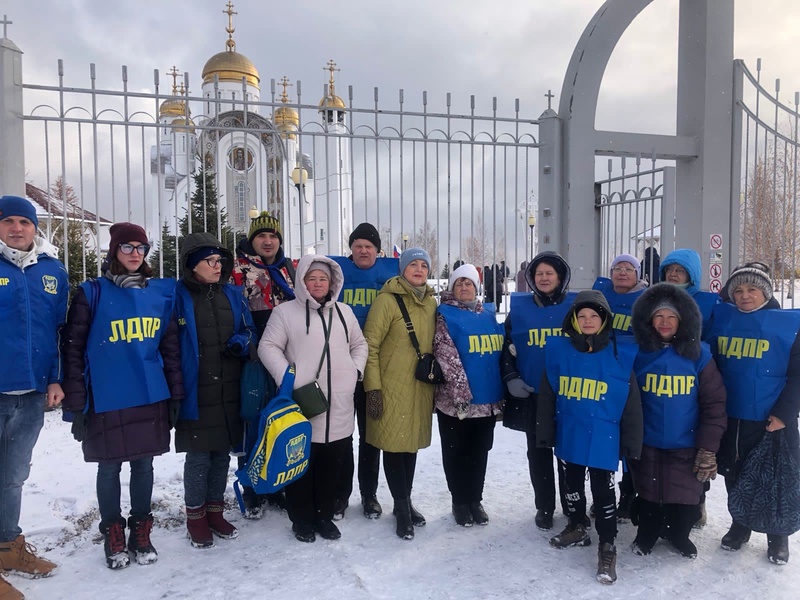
[508, 49]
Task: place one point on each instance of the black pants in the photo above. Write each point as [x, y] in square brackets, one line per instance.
[369, 457]
[465, 454]
[676, 519]
[540, 467]
[603, 494]
[399, 469]
[311, 497]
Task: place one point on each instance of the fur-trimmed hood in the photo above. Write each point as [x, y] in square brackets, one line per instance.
[687, 341]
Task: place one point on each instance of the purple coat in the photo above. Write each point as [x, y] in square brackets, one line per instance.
[117, 435]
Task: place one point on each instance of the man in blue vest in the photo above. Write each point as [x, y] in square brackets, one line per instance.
[33, 302]
[364, 275]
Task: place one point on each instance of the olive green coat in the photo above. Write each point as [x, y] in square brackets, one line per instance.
[407, 402]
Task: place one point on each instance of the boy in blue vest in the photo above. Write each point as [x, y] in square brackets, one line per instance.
[364, 275]
[33, 301]
[590, 411]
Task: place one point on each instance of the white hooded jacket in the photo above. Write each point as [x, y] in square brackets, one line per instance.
[294, 334]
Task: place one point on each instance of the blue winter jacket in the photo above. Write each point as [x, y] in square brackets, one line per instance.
[33, 306]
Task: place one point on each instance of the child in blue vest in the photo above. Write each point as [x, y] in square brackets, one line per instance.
[589, 410]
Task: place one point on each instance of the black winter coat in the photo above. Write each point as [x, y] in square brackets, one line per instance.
[129, 433]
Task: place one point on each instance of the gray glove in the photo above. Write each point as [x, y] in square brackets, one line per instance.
[705, 465]
[518, 388]
[375, 404]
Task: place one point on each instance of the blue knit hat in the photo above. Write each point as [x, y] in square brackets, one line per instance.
[14, 206]
[413, 254]
[195, 257]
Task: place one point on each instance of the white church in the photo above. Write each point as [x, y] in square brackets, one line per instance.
[257, 159]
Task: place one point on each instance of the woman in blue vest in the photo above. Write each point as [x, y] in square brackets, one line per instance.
[621, 291]
[216, 332]
[763, 384]
[589, 409]
[532, 320]
[683, 400]
[682, 267]
[123, 385]
[467, 344]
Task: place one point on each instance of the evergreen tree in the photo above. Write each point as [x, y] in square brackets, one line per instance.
[81, 262]
[203, 211]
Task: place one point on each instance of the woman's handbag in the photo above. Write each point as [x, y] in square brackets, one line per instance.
[310, 397]
[428, 368]
[766, 495]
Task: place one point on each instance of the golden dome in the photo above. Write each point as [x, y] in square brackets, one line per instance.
[331, 101]
[286, 117]
[231, 66]
[180, 125]
[172, 108]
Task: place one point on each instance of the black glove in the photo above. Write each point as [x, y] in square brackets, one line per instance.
[78, 426]
[174, 408]
[237, 346]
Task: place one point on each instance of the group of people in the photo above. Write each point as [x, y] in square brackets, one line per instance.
[618, 372]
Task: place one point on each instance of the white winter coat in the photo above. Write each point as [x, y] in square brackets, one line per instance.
[294, 334]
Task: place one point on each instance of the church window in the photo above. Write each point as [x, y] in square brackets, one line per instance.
[241, 201]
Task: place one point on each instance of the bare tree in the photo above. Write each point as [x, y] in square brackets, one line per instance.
[483, 248]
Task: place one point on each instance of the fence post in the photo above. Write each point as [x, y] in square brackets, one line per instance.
[12, 149]
[551, 178]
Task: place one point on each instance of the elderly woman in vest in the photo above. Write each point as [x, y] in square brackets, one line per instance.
[216, 331]
[763, 387]
[467, 345]
[123, 385]
[589, 409]
[296, 333]
[683, 402]
[399, 406]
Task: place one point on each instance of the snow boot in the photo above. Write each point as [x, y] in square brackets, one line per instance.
[114, 544]
[607, 563]
[327, 529]
[683, 545]
[736, 536]
[416, 517]
[478, 513]
[252, 504]
[139, 540]
[372, 508]
[339, 508]
[778, 549]
[304, 532]
[217, 523]
[572, 535]
[197, 527]
[8, 591]
[651, 522]
[625, 507]
[544, 520]
[405, 526]
[462, 515]
[20, 556]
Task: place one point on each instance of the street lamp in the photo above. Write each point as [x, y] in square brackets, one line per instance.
[405, 241]
[300, 177]
[253, 214]
[531, 224]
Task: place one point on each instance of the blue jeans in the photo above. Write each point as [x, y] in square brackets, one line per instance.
[109, 490]
[21, 419]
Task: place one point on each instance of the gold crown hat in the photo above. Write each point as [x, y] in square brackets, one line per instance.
[265, 222]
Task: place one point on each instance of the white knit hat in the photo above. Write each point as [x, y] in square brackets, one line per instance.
[464, 271]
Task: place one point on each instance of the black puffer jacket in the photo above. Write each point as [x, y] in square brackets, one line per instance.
[219, 427]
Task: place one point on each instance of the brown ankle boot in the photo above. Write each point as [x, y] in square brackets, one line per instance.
[8, 591]
[20, 556]
[197, 526]
[217, 522]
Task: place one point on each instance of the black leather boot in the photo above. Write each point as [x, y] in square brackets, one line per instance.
[736, 536]
[778, 549]
[402, 512]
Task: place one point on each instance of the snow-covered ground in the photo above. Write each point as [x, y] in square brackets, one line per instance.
[509, 558]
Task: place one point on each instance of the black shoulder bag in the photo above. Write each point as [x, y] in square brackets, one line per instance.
[428, 369]
[310, 397]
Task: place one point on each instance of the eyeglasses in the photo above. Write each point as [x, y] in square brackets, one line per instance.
[213, 262]
[623, 270]
[675, 269]
[142, 249]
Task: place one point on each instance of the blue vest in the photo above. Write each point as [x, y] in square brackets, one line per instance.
[479, 341]
[591, 392]
[752, 352]
[362, 285]
[668, 384]
[706, 301]
[531, 326]
[125, 365]
[621, 305]
[190, 348]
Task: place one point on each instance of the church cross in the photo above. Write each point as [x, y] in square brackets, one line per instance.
[549, 95]
[5, 23]
[230, 28]
[174, 73]
[285, 83]
[331, 66]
